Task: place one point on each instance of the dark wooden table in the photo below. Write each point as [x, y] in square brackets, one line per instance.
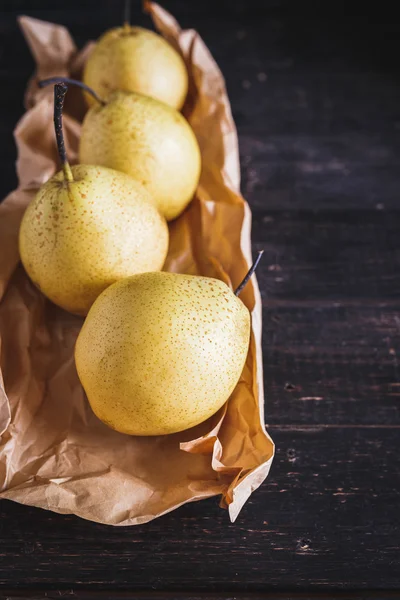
[315, 92]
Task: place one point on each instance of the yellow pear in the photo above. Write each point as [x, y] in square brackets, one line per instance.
[148, 140]
[87, 227]
[162, 352]
[136, 60]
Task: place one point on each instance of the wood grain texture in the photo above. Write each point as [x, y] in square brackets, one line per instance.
[328, 257]
[323, 371]
[316, 100]
[105, 595]
[84, 595]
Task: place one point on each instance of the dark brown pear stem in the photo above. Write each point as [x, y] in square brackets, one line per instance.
[52, 80]
[249, 274]
[60, 89]
[127, 13]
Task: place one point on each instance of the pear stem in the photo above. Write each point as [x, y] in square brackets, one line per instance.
[60, 89]
[127, 13]
[52, 80]
[249, 274]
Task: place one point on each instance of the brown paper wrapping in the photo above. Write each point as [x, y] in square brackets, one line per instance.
[54, 452]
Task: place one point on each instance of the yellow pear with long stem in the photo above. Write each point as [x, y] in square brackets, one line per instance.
[87, 227]
[162, 352]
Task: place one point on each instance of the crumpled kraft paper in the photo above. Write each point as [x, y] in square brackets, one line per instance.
[54, 452]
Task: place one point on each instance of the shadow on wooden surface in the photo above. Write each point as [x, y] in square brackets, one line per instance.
[72, 595]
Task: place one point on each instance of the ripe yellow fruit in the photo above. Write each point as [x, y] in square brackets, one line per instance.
[148, 140]
[162, 352]
[79, 236]
[136, 60]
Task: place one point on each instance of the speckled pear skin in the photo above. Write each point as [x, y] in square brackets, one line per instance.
[77, 238]
[149, 140]
[136, 60]
[162, 352]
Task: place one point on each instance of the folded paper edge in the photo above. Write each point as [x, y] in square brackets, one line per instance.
[5, 408]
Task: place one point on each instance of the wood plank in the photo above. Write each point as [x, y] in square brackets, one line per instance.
[328, 256]
[326, 518]
[330, 171]
[331, 365]
[330, 287]
[106, 595]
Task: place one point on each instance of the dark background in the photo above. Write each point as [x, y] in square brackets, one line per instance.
[315, 93]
